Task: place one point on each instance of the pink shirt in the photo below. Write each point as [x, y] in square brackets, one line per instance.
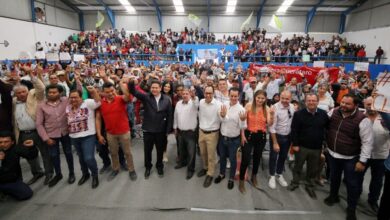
[51, 120]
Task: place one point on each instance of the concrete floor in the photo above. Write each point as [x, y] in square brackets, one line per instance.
[172, 197]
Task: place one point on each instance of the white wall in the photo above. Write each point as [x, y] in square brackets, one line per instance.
[23, 35]
[372, 39]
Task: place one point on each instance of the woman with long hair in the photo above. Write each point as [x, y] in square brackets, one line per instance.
[167, 89]
[258, 117]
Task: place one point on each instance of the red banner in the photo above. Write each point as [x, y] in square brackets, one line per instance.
[310, 73]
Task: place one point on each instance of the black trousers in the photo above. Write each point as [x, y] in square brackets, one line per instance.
[256, 143]
[151, 139]
[383, 212]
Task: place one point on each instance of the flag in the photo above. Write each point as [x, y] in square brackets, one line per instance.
[275, 22]
[247, 21]
[194, 19]
[100, 19]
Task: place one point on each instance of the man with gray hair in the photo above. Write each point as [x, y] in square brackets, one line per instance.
[23, 116]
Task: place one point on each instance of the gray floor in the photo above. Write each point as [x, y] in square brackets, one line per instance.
[171, 197]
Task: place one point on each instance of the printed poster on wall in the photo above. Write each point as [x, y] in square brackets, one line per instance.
[319, 64]
[52, 57]
[361, 66]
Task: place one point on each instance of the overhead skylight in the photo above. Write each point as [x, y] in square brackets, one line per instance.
[126, 4]
[284, 6]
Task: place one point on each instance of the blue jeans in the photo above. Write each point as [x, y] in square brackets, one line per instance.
[353, 179]
[377, 174]
[228, 147]
[18, 190]
[85, 147]
[54, 152]
[276, 160]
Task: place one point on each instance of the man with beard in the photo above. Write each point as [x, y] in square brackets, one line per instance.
[350, 143]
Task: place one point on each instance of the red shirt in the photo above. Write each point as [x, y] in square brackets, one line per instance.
[115, 116]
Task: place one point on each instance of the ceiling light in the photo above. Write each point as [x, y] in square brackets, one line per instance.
[284, 6]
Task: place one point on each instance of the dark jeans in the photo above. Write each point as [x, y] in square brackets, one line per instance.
[85, 147]
[54, 152]
[383, 212]
[353, 179]
[18, 190]
[377, 173]
[131, 116]
[276, 160]
[151, 139]
[256, 142]
[38, 143]
[377, 58]
[312, 159]
[228, 148]
[187, 146]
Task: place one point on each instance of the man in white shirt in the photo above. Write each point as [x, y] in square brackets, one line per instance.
[273, 86]
[233, 119]
[209, 124]
[280, 133]
[184, 124]
[24, 112]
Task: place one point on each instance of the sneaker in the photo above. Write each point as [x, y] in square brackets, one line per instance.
[228, 164]
[133, 175]
[281, 181]
[272, 182]
[165, 157]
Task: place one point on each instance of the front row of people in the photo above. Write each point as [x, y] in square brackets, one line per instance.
[223, 127]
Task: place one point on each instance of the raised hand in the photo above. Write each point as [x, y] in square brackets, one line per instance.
[223, 111]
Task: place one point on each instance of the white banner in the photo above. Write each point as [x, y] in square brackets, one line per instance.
[319, 64]
[40, 55]
[361, 66]
[78, 57]
[52, 57]
[65, 56]
[382, 98]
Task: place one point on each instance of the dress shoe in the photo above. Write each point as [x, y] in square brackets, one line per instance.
[71, 178]
[201, 173]
[331, 200]
[133, 175]
[35, 178]
[147, 173]
[374, 206]
[55, 180]
[241, 186]
[230, 184]
[47, 179]
[160, 172]
[95, 182]
[311, 192]
[219, 179]
[83, 179]
[178, 166]
[351, 214]
[189, 175]
[104, 169]
[254, 181]
[292, 187]
[207, 181]
[112, 175]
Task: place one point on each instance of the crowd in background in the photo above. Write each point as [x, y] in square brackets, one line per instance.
[253, 45]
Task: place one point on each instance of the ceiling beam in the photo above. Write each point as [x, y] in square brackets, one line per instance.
[159, 16]
[343, 16]
[260, 13]
[310, 15]
[109, 11]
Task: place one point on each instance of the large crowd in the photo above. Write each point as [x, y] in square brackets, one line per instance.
[253, 45]
[330, 127]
